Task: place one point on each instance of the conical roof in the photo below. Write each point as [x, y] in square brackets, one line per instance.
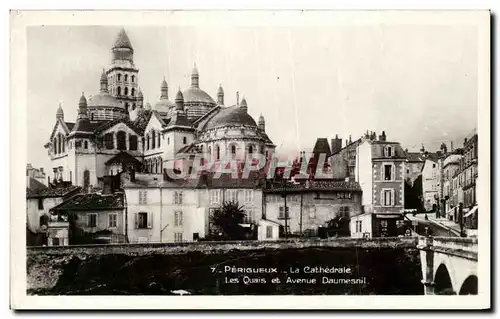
[122, 40]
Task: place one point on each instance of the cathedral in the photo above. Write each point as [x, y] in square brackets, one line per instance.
[114, 129]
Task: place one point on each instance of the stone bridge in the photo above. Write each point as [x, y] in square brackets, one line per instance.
[449, 265]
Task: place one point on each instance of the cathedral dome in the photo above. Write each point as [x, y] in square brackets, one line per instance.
[231, 116]
[103, 100]
[164, 106]
[197, 95]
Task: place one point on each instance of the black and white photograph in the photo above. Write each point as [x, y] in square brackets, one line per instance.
[251, 154]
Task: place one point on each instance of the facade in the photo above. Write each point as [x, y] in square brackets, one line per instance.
[380, 172]
[430, 183]
[469, 181]
[311, 204]
[164, 210]
[91, 218]
[115, 121]
[414, 164]
[39, 202]
[451, 166]
[343, 159]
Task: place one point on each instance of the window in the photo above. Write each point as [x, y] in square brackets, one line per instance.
[132, 140]
[40, 203]
[112, 220]
[55, 241]
[119, 76]
[232, 195]
[178, 237]
[214, 196]
[388, 197]
[407, 171]
[233, 150]
[132, 92]
[344, 211]
[433, 165]
[143, 197]
[269, 232]
[359, 226]
[168, 140]
[132, 78]
[250, 150]
[178, 198]
[312, 212]
[109, 142]
[217, 152]
[178, 218]
[133, 106]
[119, 90]
[388, 151]
[121, 140]
[125, 78]
[85, 145]
[282, 212]
[92, 220]
[184, 140]
[153, 139]
[159, 139]
[126, 107]
[143, 220]
[388, 174]
[248, 196]
[125, 91]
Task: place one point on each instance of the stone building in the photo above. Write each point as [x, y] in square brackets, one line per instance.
[469, 181]
[431, 177]
[311, 204]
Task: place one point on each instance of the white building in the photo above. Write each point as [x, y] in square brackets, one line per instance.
[430, 183]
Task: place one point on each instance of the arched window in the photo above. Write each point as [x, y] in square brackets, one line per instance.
[85, 145]
[233, 150]
[132, 92]
[109, 142]
[133, 106]
[119, 76]
[147, 142]
[59, 143]
[125, 91]
[54, 145]
[63, 144]
[209, 152]
[217, 152]
[121, 140]
[132, 141]
[119, 91]
[250, 150]
[159, 139]
[168, 140]
[132, 78]
[86, 179]
[126, 107]
[125, 78]
[184, 140]
[158, 168]
[91, 116]
[153, 139]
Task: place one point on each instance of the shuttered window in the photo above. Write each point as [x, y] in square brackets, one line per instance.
[143, 220]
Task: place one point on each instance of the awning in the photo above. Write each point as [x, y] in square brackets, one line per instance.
[472, 211]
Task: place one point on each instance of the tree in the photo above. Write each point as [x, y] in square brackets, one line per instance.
[227, 218]
[339, 226]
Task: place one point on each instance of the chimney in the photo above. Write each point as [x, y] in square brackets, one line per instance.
[374, 136]
[382, 137]
[336, 144]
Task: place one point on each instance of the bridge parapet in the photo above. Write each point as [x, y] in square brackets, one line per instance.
[456, 246]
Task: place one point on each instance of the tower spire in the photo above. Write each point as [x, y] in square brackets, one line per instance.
[195, 77]
[220, 95]
[104, 82]
[164, 89]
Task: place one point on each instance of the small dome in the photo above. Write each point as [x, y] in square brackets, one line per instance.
[179, 96]
[122, 40]
[163, 106]
[104, 77]
[164, 84]
[83, 100]
[261, 119]
[60, 112]
[220, 90]
[197, 95]
[231, 116]
[243, 103]
[104, 100]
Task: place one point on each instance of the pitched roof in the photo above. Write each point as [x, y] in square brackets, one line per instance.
[322, 147]
[52, 191]
[191, 148]
[142, 120]
[415, 157]
[314, 185]
[92, 201]
[378, 149]
[104, 126]
[34, 185]
[123, 157]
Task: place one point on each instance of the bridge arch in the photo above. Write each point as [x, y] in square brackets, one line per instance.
[469, 287]
[442, 281]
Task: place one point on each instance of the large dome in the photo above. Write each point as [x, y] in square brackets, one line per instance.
[197, 95]
[231, 116]
[104, 100]
[164, 106]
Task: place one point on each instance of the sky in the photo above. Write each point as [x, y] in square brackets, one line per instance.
[418, 83]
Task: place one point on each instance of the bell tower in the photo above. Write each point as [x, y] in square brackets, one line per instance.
[123, 80]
